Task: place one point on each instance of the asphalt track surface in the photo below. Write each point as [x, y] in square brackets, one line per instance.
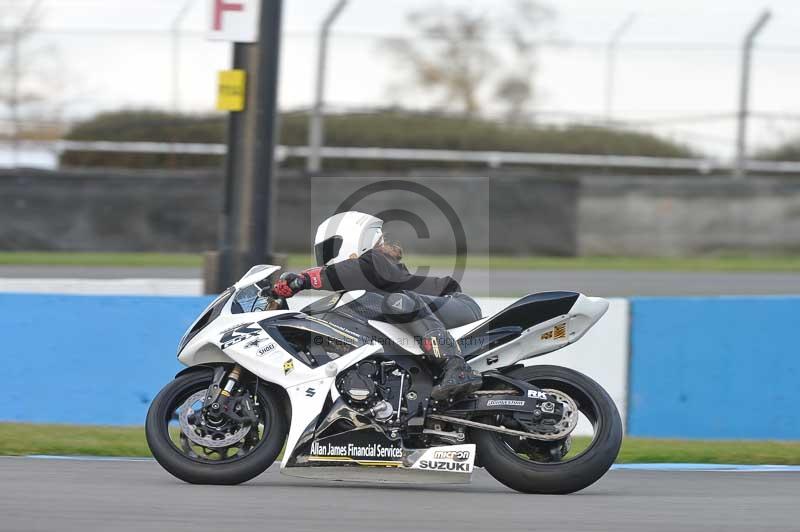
[500, 283]
[64, 496]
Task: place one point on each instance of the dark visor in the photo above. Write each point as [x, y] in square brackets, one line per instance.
[327, 249]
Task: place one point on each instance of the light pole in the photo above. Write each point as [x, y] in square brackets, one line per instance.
[744, 94]
[316, 126]
[175, 31]
[248, 205]
[611, 63]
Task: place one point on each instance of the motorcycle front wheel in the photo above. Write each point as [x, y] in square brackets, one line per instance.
[558, 467]
[235, 454]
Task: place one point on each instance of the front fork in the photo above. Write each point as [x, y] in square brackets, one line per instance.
[218, 395]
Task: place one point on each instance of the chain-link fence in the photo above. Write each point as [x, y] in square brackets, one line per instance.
[684, 93]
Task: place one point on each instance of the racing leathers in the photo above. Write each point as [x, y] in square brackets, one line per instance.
[411, 302]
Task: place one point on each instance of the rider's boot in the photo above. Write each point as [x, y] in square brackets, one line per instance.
[457, 378]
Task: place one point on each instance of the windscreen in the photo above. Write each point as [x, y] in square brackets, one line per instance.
[209, 314]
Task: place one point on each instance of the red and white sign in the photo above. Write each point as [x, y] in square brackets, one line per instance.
[234, 20]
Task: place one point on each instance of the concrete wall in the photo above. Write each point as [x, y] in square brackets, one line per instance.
[508, 214]
[671, 216]
[144, 211]
[103, 211]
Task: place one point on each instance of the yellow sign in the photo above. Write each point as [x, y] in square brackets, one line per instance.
[231, 91]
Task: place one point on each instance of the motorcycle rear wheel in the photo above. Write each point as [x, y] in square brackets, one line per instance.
[196, 467]
[571, 474]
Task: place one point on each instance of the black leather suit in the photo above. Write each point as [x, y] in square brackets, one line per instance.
[425, 306]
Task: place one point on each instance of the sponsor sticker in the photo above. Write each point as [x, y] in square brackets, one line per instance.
[239, 334]
[288, 366]
[435, 465]
[504, 402]
[338, 328]
[451, 459]
[535, 394]
[352, 450]
[457, 456]
[264, 350]
[255, 342]
[559, 332]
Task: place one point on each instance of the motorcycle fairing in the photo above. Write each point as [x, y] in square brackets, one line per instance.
[368, 453]
[532, 326]
[538, 338]
[335, 300]
[266, 357]
[528, 311]
[410, 398]
[252, 340]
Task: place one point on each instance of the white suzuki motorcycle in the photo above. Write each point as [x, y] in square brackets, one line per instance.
[346, 396]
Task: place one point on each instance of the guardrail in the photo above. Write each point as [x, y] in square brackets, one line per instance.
[492, 159]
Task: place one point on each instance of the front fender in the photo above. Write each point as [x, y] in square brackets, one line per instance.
[200, 368]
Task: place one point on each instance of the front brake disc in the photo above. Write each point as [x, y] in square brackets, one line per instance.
[193, 431]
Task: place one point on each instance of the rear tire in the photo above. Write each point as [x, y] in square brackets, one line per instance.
[557, 477]
[195, 472]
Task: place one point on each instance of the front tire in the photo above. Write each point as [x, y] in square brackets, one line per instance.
[195, 469]
[557, 477]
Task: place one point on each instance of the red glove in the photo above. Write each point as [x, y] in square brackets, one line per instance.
[291, 283]
[282, 289]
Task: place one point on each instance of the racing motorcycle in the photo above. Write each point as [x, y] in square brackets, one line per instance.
[345, 395]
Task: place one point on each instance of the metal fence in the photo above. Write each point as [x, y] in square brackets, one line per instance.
[491, 159]
[682, 90]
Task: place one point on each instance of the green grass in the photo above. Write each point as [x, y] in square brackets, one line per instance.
[26, 439]
[640, 450]
[789, 263]
[144, 260]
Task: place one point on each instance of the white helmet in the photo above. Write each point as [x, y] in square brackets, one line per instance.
[346, 235]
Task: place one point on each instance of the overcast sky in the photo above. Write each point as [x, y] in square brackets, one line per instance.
[679, 58]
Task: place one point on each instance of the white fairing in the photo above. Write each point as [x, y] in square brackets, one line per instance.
[398, 336]
[239, 338]
[537, 340]
[545, 337]
[256, 350]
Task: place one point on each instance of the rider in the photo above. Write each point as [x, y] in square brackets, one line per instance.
[352, 254]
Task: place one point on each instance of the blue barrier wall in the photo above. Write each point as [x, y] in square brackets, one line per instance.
[700, 367]
[92, 360]
[715, 367]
